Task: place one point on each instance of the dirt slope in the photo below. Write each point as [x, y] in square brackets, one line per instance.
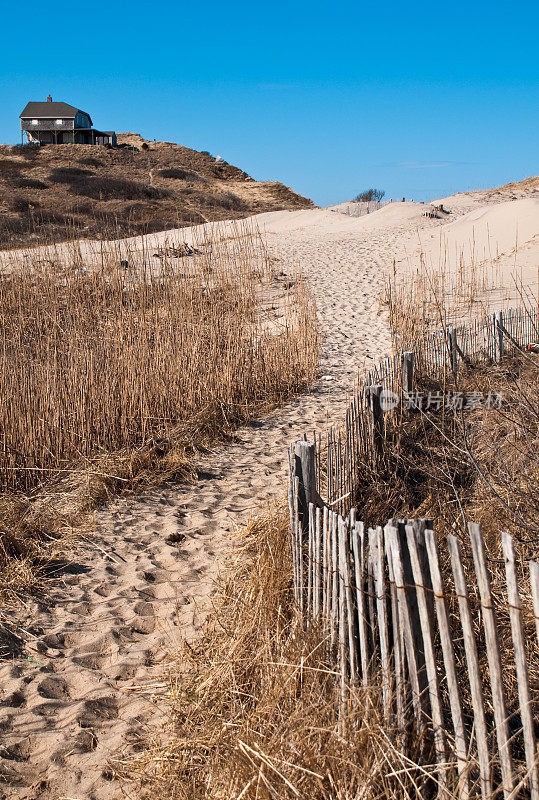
[57, 191]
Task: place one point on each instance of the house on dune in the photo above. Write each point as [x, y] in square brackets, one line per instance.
[59, 123]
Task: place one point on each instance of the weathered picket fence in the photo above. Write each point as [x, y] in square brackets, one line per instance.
[392, 618]
[439, 355]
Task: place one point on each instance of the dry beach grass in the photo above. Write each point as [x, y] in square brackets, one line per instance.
[115, 372]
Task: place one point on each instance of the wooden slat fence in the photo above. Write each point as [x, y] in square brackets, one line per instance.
[439, 356]
[392, 617]
[424, 632]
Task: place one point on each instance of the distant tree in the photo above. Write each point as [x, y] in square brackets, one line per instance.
[370, 195]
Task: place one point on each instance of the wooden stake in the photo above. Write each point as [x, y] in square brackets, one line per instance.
[498, 336]
[428, 643]
[534, 580]
[344, 568]
[381, 607]
[292, 510]
[359, 567]
[299, 543]
[408, 372]
[517, 633]
[449, 664]
[310, 564]
[474, 672]
[412, 654]
[398, 656]
[326, 546]
[305, 470]
[317, 564]
[453, 352]
[493, 656]
[377, 421]
[334, 578]
[342, 623]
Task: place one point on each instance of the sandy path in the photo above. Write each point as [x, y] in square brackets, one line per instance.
[67, 706]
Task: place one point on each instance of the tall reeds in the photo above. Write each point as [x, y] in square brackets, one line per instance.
[119, 360]
[102, 350]
[447, 294]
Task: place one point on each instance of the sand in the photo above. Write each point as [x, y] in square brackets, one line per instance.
[71, 687]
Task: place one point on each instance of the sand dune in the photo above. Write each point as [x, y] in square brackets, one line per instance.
[69, 696]
[507, 232]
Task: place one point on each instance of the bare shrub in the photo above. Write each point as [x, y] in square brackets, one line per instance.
[92, 162]
[27, 151]
[231, 202]
[370, 195]
[225, 200]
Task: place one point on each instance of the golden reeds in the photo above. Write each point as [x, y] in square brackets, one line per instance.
[129, 349]
[431, 298]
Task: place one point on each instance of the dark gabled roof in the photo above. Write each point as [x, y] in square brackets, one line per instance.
[50, 110]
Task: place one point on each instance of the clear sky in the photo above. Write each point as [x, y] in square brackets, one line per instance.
[421, 99]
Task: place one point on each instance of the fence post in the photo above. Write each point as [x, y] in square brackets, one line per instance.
[377, 420]
[409, 615]
[523, 683]
[415, 535]
[397, 634]
[326, 558]
[534, 580]
[474, 671]
[408, 372]
[493, 657]
[448, 652]
[305, 470]
[453, 351]
[381, 607]
[498, 336]
[298, 538]
[358, 548]
[344, 571]
[317, 580]
[334, 578]
[292, 505]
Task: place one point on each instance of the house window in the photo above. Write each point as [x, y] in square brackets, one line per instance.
[59, 121]
[34, 122]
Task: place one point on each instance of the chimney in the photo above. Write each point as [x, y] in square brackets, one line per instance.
[49, 99]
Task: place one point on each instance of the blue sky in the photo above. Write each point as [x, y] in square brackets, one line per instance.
[421, 99]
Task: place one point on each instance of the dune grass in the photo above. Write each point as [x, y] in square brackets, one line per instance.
[117, 365]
